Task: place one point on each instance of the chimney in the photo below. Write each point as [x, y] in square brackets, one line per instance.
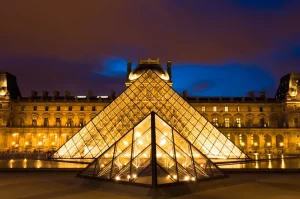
[112, 94]
[262, 94]
[45, 93]
[68, 93]
[128, 67]
[169, 69]
[56, 93]
[34, 94]
[185, 94]
[251, 94]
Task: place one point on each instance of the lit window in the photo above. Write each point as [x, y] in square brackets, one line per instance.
[46, 121]
[238, 109]
[81, 122]
[58, 122]
[238, 122]
[227, 122]
[215, 121]
[261, 109]
[69, 122]
[214, 108]
[226, 108]
[228, 136]
[249, 108]
[203, 108]
[33, 121]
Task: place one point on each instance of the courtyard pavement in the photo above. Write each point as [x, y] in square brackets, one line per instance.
[63, 185]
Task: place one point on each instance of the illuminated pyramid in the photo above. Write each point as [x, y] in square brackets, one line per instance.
[149, 92]
[131, 158]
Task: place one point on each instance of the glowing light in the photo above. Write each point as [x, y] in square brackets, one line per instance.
[168, 176]
[14, 134]
[102, 165]
[140, 142]
[281, 144]
[26, 143]
[39, 134]
[187, 178]
[138, 134]
[165, 134]
[40, 143]
[163, 142]
[268, 144]
[133, 175]
[175, 176]
[118, 178]
[17, 145]
[128, 176]
[81, 96]
[145, 155]
[201, 165]
[13, 143]
[177, 155]
[242, 144]
[52, 143]
[158, 155]
[25, 160]
[193, 178]
[125, 143]
[255, 143]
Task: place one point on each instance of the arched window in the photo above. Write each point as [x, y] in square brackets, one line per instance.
[255, 141]
[279, 141]
[268, 141]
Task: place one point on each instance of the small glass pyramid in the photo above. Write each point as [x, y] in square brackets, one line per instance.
[131, 158]
[146, 94]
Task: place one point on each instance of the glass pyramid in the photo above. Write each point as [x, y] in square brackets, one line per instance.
[146, 94]
[131, 158]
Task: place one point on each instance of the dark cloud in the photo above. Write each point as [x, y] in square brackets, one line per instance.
[72, 40]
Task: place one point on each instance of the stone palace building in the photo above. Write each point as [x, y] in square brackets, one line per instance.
[256, 124]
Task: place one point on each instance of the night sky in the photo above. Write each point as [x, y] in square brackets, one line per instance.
[217, 47]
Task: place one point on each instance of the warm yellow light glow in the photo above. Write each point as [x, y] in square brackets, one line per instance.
[128, 176]
[118, 178]
[26, 143]
[39, 134]
[193, 178]
[25, 160]
[40, 143]
[242, 144]
[140, 142]
[102, 165]
[13, 143]
[163, 142]
[133, 175]
[14, 134]
[281, 143]
[255, 143]
[51, 134]
[175, 176]
[168, 176]
[158, 155]
[138, 134]
[125, 143]
[269, 144]
[52, 143]
[17, 145]
[187, 178]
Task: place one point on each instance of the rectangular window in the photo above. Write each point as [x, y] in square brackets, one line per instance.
[58, 108]
[214, 108]
[203, 108]
[81, 122]
[46, 121]
[226, 108]
[23, 108]
[82, 108]
[93, 108]
[238, 109]
[58, 122]
[238, 122]
[33, 121]
[215, 121]
[34, 108]
[261, 109]
[46, 108]
[249, 108]
[227, 122]
[69, 122]
[70, 108]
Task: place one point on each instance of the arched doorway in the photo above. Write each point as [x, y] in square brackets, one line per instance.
[255, 141]
[268, 143]
[279, 141]
[41, 141]
[53, 141]
[243, 140]
[28, 142]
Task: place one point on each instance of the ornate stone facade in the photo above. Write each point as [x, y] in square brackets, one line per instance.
[42, 123]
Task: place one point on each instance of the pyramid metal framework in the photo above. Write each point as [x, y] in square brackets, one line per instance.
[131, 158]
[148, 93]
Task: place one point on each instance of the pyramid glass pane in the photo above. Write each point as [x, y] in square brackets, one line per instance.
[148, 93]
[130, 159]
